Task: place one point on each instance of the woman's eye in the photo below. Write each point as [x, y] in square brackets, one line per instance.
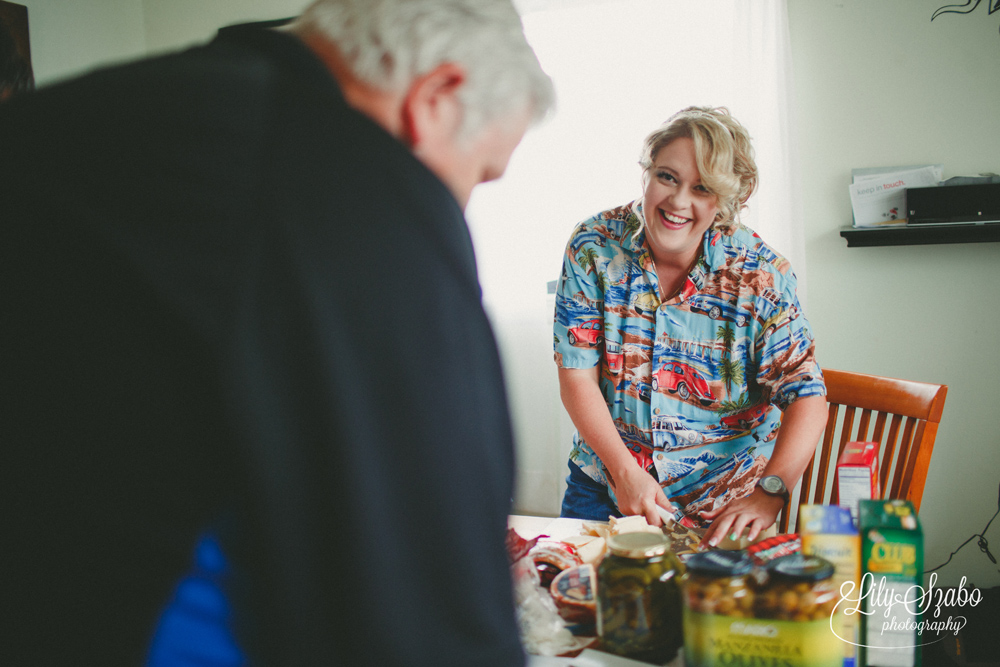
[665, 176]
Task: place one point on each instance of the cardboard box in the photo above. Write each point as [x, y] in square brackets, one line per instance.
[857, 475]
[828, 531]
[892, 566]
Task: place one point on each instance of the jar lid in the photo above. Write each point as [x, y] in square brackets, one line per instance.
[799, 567]
[720, 563]
[638, 545]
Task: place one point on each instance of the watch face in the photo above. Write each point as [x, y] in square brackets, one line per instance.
[772, 484]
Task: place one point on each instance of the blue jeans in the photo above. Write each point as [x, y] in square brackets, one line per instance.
[585, 498]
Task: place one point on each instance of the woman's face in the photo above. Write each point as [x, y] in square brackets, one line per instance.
[677, 207]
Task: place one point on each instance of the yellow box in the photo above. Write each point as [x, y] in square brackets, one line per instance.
[828, 531]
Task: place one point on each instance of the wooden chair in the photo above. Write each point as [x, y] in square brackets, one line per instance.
[912, 411]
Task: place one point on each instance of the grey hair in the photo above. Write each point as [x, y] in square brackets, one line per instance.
[723, 152]
[390, 43]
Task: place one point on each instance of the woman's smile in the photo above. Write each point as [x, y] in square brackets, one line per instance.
[673, 221]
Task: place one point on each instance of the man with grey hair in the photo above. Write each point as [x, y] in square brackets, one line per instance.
[242, 319]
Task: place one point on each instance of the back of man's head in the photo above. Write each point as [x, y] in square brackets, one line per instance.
[390, 43]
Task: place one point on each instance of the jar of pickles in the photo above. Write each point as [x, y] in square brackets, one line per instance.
[798, 588]
[639, 598]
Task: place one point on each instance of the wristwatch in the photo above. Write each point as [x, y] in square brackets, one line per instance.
[773, 485]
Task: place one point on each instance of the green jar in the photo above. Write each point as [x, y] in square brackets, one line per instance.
[639, 598]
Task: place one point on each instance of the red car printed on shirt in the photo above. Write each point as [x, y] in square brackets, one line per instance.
[615, 356]
[590, 332]
[642, 455]
[747, 419]
[681, 379]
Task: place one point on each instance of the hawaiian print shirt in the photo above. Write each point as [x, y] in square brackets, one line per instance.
[695, 385]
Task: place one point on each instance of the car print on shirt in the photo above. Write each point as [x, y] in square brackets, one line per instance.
[642, 455]
[646, 302]
[615, 356]
[642, 390]
[591, 236]
[717, 308]
[671, 433]
[590, 332]
[637, 447]
[743, 421]
[681, 379]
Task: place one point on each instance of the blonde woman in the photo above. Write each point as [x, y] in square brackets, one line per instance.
[685, 361]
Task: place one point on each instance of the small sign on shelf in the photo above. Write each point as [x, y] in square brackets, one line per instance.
[878, 195]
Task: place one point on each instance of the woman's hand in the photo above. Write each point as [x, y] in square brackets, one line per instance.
[638, 493]
[758, 512]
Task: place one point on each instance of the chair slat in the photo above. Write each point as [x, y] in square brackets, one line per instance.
[831, 427]
[845, 437]
[919, 462]
[879, 428]
[861, 435]
[887, 450]
[845, 428]
[901, 456]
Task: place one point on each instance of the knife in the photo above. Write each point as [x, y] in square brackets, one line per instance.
[677, 517]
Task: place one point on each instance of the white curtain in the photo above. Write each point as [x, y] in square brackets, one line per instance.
[621, 68]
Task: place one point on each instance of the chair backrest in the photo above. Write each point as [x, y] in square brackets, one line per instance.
[912, 412]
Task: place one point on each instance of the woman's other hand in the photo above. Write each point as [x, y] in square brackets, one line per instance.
[758, 512]
[802, 425]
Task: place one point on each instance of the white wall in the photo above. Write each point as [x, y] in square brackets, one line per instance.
[70, 37]
[879, 84]
[171, 24]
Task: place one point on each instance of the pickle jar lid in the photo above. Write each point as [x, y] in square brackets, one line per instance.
[799, 567]
[638, 545]
[720, 563]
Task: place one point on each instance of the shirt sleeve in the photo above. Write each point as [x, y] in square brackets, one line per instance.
[578, 330]
[787, 359]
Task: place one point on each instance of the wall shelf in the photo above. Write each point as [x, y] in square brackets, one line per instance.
[920, 235]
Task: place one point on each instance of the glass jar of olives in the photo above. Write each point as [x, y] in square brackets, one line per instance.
[798, 588]
[718, 582]
[736, 613]
[639, 598]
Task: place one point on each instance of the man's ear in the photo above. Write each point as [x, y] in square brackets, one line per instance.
[432, 110]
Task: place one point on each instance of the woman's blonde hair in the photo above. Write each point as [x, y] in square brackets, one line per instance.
[723, 153]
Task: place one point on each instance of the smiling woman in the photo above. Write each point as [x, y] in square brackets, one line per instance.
[620, 68]
[687, 246]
